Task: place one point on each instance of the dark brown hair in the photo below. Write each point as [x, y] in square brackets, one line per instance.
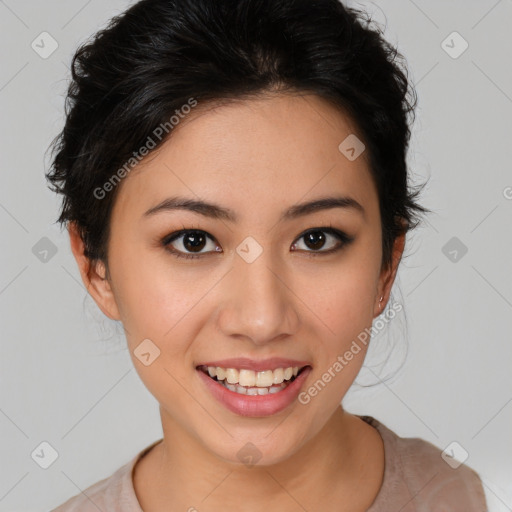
[148, 62]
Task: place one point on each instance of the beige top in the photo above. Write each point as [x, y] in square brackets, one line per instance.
[416, 479]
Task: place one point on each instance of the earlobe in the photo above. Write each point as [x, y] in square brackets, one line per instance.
[93, 275]
[388, 275]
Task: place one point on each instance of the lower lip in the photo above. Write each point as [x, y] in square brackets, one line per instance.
[256, 405]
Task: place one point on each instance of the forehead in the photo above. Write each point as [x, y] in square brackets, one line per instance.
[264, 152]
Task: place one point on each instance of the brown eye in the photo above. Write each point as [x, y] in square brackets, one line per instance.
[194, 241]
[316, 239]
[190, 243]
[187, 242]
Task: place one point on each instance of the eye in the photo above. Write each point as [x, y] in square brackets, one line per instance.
[189, 240]
[189, 243]
[316, 239]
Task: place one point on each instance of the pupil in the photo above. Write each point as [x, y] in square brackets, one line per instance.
[315, 239]
[188, 241]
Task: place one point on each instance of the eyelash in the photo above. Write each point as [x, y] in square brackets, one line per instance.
[342, 237]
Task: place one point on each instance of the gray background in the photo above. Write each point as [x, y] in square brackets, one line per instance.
[66, 377]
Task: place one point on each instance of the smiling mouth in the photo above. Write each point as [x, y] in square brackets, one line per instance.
[249, 382]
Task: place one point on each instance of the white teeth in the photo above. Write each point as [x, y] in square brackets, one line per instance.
[241, 390]
[232, 375]
[264, 379]
[249, 378]
[246, 378]
[253, 390]
[278, 375]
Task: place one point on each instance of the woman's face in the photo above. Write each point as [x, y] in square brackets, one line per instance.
[269, 280]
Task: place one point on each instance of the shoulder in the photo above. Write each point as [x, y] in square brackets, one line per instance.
[115, 493]
[103, 495]
[437, 478]
[426, 478]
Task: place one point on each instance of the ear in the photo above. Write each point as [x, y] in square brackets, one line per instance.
[387, 276]
[93, 275]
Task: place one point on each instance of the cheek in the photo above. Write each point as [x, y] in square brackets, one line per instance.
[342, 299]
[155, 299]
[159, 316]
[343, 296]
[345, 311]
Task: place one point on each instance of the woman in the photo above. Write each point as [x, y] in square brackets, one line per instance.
[236, 193]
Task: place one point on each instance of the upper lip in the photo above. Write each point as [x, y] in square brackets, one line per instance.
[244, 363]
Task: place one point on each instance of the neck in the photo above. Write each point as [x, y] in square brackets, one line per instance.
[182, 472]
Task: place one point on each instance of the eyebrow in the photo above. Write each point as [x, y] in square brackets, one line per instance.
[215, 211]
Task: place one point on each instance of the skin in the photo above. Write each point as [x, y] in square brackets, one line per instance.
[256, 157]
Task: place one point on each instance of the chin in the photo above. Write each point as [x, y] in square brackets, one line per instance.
[256, 450]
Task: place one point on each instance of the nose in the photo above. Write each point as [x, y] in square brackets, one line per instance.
[259, 303]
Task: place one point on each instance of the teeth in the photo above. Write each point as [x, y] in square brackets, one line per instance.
[232, 375]
[219, 372]
[264, 379]
[249, 378]
[246, 378]
[254, 390]
[278, 375]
